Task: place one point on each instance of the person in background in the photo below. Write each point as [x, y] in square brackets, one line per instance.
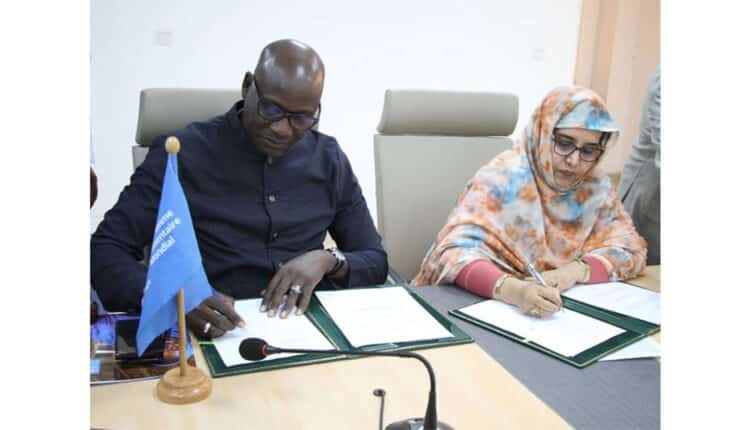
[640, 186]
[94, 188]
[542, 202]
[95, 306]
[263, 189]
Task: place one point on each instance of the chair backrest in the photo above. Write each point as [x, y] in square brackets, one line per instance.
[430, 143]
[163, 110]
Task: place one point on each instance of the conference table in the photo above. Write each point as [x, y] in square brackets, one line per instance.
[491, 384]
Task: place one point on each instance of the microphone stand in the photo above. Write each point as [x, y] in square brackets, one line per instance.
[429, 422]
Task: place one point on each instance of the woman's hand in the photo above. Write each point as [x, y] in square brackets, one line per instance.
[566, 276]
[532, 298]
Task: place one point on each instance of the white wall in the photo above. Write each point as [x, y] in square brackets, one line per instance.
[525, 47]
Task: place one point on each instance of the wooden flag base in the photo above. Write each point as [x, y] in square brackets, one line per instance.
[193, 387]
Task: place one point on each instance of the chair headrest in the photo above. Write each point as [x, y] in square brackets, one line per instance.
[448, 113]
[163, 110]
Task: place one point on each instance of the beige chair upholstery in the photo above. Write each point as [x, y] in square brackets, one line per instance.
[430, 143]
[166, 109]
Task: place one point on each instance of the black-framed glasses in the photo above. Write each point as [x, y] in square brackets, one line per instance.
[271, 112]
[565, 146]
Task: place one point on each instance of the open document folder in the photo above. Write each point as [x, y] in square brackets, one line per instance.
[598, 320]
[380, 318]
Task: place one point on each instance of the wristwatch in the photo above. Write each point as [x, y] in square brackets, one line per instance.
[340, 260]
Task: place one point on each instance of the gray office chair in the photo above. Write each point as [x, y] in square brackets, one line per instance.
[430, 143]
[163, 110]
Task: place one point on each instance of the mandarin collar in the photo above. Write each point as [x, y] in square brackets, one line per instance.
[233, 118]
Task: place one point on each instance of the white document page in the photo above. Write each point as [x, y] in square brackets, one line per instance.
[644, 348]
[292, 332]
[374, 316]
[621, 298]
[568, 333]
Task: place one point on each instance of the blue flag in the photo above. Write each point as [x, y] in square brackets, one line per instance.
[175, 263]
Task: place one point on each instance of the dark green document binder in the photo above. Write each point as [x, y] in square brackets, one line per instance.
[635, 329]
[320, 318]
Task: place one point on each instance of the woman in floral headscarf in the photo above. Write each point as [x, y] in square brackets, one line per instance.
[542, 202]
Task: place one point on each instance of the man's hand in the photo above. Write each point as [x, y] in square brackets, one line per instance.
[294, 283]
[533, 299]
[565, 276]
[214, 317]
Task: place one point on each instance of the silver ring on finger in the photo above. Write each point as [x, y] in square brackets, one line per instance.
[535, 312]
[296, 289]
[206, 327]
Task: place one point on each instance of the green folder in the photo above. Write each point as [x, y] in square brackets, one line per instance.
[323, 321]
[635, 330]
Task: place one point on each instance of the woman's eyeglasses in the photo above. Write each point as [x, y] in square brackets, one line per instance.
[565, 146]
[271, 112]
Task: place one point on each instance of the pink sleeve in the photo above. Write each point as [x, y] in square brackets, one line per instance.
[599, 272]
[479, 277]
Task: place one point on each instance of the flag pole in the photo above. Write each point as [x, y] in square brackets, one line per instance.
[173, 147]
[183, 336]
[187, 384]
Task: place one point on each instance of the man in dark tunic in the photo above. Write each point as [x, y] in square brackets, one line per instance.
[263, 189]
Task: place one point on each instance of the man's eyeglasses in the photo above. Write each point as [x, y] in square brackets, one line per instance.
[565, 146]
[271, 112]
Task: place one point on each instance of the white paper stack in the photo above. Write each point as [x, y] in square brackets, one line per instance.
[568, 333]
[621, 298]
[374, 316]
[291, 332]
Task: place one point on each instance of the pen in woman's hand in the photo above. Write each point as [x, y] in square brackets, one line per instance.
[538, 277]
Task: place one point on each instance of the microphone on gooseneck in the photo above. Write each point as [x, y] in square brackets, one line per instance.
[254, 349]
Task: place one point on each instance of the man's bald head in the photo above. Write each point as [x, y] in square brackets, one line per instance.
[290, 63]
[288, 82]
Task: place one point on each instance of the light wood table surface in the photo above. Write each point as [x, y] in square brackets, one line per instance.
[473, 391]
[650, 279]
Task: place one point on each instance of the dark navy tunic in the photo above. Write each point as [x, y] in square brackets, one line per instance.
[250, 212]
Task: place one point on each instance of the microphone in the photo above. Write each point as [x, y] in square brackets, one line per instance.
[254, 349]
